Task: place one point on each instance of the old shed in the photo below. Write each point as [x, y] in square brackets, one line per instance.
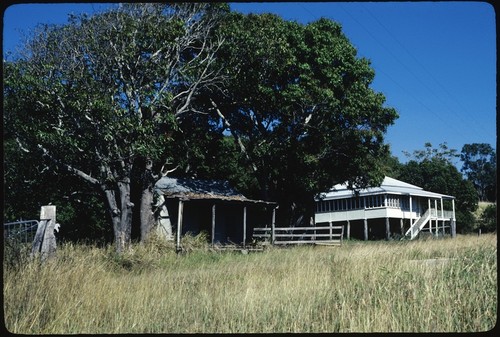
[213, 206]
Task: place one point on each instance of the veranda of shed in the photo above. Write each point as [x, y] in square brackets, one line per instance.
[211, 206]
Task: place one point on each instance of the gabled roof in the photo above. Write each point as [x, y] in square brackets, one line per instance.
[195, 189]
[389, 185]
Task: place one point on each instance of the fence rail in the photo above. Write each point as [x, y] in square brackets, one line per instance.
[23, 231]
[300, 235]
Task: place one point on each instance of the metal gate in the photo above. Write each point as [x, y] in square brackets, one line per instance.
[21, 231]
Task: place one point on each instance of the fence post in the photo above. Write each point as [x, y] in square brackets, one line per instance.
[45, 240]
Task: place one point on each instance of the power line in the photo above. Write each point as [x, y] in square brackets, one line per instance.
[445, 122]
[402, 64]
[424, 68]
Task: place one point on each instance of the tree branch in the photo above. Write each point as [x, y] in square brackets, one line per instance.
[235, 135]
[70, 168]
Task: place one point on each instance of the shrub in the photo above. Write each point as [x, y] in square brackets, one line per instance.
[488, 219]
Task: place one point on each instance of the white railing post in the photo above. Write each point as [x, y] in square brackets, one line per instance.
[430, 212]
[453, 221]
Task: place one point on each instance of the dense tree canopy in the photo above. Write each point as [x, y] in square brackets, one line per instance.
[299, 106]
[283, 110]
[105, 92]
[479, 166]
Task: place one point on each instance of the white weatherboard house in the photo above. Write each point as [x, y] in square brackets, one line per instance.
[393, 209]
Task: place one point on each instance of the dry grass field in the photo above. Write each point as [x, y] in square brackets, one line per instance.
[431, 285]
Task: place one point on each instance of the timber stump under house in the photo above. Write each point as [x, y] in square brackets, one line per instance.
[212, 206]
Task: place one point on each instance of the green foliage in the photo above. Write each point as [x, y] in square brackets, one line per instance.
[479, 166]
[106, 95]
[104, 92]
[430, 152]
[433, 170]
[299, 107]
[31, 183]
[488, 219]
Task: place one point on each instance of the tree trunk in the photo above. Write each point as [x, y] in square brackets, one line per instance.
[120, 209]
[147, 219]
[146, 207]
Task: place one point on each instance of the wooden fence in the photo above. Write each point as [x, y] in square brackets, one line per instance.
[326, 235]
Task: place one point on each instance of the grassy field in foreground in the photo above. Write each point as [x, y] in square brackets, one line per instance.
[358, 287]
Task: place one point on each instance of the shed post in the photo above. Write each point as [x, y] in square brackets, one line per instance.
[330, 225]
[365, 229]
[348, 229]
[387, 229]
[179, 225]
[401, 225]
[244, 225]
[213, 224]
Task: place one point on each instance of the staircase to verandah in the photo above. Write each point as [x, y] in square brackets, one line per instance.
[418, 225]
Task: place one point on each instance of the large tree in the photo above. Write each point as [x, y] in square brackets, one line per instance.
[480, 167]
[106, 92]
[299, 107]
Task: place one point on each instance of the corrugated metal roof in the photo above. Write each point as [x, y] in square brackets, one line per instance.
[187, 188]
[389, 185]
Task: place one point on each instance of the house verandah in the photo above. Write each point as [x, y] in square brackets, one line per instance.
[395, 209]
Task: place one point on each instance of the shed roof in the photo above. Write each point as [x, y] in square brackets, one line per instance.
[196, 189]
[389, 186]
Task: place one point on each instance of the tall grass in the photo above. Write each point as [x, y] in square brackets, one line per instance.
[358, 287]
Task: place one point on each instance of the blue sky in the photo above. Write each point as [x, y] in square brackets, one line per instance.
[434, 61]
